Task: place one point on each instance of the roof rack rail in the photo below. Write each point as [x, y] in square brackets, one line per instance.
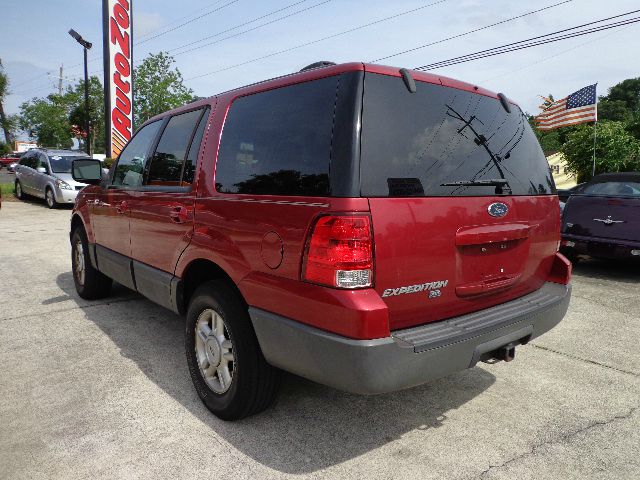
[320, 64]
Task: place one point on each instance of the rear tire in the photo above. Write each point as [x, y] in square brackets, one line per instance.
[50, 198]
[227, 367]
[20, 195]
[90, 283]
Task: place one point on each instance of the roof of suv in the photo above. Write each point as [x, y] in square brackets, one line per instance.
[327, 71]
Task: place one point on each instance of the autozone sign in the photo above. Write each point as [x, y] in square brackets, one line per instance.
[118, 71]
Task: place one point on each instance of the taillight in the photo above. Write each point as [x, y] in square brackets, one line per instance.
[340, 252]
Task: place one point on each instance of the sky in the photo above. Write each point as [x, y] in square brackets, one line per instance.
[34, 42]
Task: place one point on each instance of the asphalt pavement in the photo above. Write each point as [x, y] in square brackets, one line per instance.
[101, 390]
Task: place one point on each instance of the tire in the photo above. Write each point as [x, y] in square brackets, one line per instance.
[20, 195]
[50, 198]
[92, 284]
[250, 384]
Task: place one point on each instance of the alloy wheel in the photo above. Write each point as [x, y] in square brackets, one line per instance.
[78, 256]
[214, 351]
[50, 199]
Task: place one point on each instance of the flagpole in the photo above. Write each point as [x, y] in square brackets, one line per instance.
[595, 135]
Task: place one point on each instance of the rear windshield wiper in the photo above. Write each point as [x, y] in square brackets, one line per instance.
[500, 184]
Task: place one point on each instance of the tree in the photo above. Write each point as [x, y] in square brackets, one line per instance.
[158, 87]
[56, 119]
[47, 121]
[616, 150]
[4, 91]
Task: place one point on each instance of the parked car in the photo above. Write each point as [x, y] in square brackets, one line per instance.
[46, 174]
[364, 227]
[9, 159]
[12, 167]
[603, 221]
[564, 194]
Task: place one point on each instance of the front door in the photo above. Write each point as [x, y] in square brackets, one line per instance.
[111, 208]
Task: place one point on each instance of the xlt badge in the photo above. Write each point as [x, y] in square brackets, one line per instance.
[432, 287]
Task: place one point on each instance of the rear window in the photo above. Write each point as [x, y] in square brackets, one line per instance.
[614, 188]
[416, 144]
[278, 142]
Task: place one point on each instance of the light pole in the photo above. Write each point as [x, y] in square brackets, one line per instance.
[86, 46]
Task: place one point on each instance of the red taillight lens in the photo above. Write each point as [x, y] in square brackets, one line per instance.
[340, 252]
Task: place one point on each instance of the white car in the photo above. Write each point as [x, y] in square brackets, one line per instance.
[46, 174]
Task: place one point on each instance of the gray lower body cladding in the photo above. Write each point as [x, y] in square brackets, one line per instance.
[408, 357]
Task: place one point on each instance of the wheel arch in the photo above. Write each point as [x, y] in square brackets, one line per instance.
[199, 271]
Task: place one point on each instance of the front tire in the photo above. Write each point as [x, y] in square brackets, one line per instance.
[227, 367]
[50, 198]
[90, 283]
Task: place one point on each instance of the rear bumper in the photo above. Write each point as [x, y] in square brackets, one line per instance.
[600, 247]
[408, 357]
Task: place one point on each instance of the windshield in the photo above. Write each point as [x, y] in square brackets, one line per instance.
[62, 164]
[441, 141]
[614, 188]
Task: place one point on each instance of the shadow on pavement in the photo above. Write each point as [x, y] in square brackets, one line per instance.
[618, 270]
[311, 426]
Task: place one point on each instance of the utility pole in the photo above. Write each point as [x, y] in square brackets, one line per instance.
[60, 81]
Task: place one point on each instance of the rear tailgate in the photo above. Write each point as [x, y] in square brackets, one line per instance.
[441, 257]
[443, 248]
[599, 216]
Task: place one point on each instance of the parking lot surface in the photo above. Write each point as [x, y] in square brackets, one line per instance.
[101, 390]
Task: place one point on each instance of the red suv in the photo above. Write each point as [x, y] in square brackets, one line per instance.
[365, 227]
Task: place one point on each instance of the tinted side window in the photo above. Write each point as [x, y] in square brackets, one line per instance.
[28, 160]
[167, 161]
[441, 141]
[130, 166]
[192, 157]
[613, 188]
[279, 142]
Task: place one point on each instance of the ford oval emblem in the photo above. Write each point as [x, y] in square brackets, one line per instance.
[497, 209]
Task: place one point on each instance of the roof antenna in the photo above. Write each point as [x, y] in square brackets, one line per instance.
[409, 82]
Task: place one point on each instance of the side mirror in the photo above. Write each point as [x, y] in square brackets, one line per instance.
[87, 171]
[41, 170]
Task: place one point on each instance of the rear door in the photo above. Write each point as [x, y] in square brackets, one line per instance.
[162, 211]
[445, 242]
[25, 172]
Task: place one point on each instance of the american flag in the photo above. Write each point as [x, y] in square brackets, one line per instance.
[579, 107]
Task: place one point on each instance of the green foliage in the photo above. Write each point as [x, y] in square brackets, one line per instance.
[5, 148]
[158, 87]
[616, 149]
[108, 162]
[47, 121]
[56, 119]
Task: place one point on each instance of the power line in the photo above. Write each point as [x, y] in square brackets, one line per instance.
[419, 47]
[344, 32]
[247, 23]
[173, 22]
[535, 41]
[542, 60]
[188, 22]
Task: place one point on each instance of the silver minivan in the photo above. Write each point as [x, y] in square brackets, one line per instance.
[46, 174]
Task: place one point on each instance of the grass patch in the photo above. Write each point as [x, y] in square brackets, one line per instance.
[7, 189]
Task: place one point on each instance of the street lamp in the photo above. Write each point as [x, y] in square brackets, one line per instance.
[86, 46]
